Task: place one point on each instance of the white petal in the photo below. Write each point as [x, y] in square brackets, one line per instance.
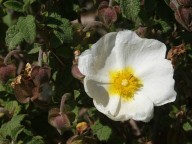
[158, 81]
[132, 50]
[109, 105]
[99, 56]
[112, 107]
[139, 109]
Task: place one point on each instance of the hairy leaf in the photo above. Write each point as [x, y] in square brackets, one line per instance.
[12, 128]
[35, 48]
[14, 5]
[165, 26]
[76, 94]
[13, 107]
[57, 39]
[27, 4]
[13, 37]
[130, 9]
[67, 30]
[7, 20]
[36, 140]
[103, 132]
[62, 32]
[26, 25]
[4, 140]
[187, 126]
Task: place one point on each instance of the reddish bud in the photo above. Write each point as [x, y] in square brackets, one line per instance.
[184, 17]
[143, 32]
[183, 12]
[185, 2]
[59, 121]
[23, 89]
[76, 73]
[6, 71]
[117, 9]
[42, 95]
[106, 14]
[40, 75]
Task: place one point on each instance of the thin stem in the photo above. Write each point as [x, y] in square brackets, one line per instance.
[62, 105]
[135, 127]
[20, 66]
[110, 3]
[58, 59]
[40, 57]
[8, 56]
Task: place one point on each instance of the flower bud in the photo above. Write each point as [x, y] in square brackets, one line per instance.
[40, 75]
[22, 89]
[183, 16]
[42, 95]
[6, 71]
[183, 12]
[82, 127]
[185, 2]
[76, 73]
[59, 121]
[143, 32]
[106, 14]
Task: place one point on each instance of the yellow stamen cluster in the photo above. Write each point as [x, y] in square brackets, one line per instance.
[28, 70]
[16, 81]
[124, 83]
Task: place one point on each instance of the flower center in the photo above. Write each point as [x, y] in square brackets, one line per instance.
[124, 83]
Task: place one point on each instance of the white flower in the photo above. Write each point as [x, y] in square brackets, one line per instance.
[127, 76]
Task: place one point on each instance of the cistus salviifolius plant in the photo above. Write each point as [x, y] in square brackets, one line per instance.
[95, 71]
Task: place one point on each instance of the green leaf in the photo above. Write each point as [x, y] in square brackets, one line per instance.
[25, 29]
[76, 94]
[7, 20]
[12, 128]
[13, 107]
[14, 5]
[4, 140]
[67, 30]
[13, 37]
[27, 4]
[27, 26]
[35, 48]
[62, 30]
[187, 126]
[103, 132]
[28, 132]
[130, 9]
[173, 112]
[57, 39]
[36, 140]
[164, 25]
